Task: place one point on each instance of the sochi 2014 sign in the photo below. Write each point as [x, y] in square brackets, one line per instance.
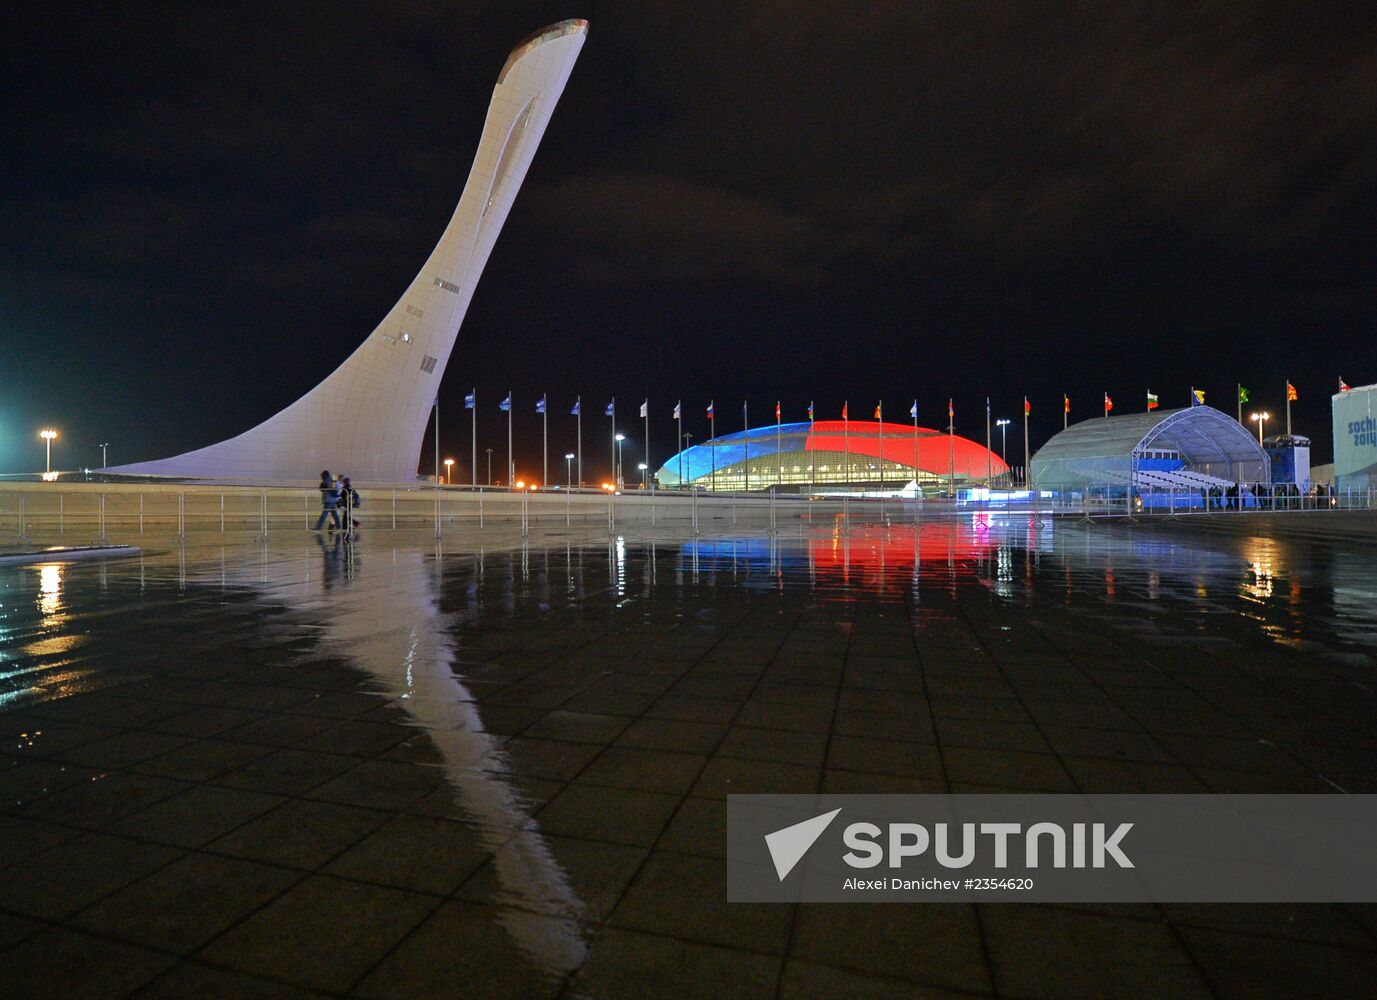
[1355, 438]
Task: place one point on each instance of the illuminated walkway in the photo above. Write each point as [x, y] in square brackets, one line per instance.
[374, 769]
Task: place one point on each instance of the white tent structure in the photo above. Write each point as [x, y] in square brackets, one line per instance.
[368, 418]
[1190, 447]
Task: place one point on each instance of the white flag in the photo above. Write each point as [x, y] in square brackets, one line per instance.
[676, 411]
[645, 409]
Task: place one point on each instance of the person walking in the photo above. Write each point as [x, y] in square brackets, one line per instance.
[329, 502]
[348, 499]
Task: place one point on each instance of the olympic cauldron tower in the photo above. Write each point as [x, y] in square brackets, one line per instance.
[368, 417]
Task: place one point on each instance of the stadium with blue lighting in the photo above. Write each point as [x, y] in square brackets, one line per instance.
[805, 456]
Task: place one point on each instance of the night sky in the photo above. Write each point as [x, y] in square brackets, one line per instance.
[205, 209]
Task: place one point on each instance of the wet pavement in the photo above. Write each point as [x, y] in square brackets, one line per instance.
[492, 769]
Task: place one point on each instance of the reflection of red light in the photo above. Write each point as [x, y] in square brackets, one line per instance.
[872, 550]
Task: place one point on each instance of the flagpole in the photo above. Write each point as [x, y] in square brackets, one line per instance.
[712, 440]
[615, 470]
[1065, 410]
[779, 455]
[1026, 458]
[812, 465]
[989, 455]
[914, 414]
[474, 422]
[1288, 407]
[679, 444]
[545, 448]
[746, 425]
[511, 479]
[951, 447]
[880, 419]
[846, 440]
[645, 473]
[578, 419]
[437, 443]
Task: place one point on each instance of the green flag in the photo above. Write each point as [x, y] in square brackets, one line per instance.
[1242, 394]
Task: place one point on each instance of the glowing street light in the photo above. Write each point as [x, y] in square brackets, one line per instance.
[449, 471]
[47, 434]
[103, 460]
[617, 472]
[1003, 439]
[1261, 417]
[568, 470]
[644, 468]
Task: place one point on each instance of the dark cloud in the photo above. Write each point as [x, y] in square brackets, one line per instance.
[902, 199]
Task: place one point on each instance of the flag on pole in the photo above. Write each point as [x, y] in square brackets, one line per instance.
[777, 412]
[1065, 403]
[1291, 394]
[676, 411]
[877, 411]
[844, 416]
[710, 411]
[578, 407]
[1242, 394]
[810, 411]
[1197, 397]
[1343, 386]
[540, 405]
[913, 410]
[1108, 403]
[469, 401]
[1027, 406]
[506, 404]
[645, 409]
[611, 410]
[1152, 401]
[951, 410]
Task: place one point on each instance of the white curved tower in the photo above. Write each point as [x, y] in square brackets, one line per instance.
[367, 419]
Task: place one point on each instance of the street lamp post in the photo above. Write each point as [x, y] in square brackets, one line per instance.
[1260, 418]
[47, 434]
[1003, 439]
[489, 451]
[617, 472]
[449, 471]
[568, 470]
[644, 470]
[104, 462]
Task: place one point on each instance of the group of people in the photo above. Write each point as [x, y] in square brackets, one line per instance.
[336, 497]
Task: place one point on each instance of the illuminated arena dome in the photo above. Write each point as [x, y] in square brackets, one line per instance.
[831, 453]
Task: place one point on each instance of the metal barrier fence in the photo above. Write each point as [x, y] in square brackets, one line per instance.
[100, 512]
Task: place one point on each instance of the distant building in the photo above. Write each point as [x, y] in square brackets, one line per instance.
[856, 454]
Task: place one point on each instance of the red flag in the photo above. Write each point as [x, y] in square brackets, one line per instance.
[877, 411]
[1027, 406]
[1065, 403]
[844, 416]
[1291, 394]
[951, 410]
[776, 411]
[1343, 386]
[1108, 403]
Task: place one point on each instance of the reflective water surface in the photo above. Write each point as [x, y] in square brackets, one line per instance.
[498, 765]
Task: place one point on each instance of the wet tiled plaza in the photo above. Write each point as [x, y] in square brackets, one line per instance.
[498, 768]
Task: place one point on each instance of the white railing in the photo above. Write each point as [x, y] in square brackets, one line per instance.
[83, 513]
